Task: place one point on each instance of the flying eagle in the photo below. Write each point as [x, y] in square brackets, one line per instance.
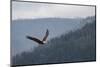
[43, 41]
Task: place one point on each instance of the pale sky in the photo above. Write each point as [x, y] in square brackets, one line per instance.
[28, 10]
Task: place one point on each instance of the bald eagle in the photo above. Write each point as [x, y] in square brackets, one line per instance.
[43, 41]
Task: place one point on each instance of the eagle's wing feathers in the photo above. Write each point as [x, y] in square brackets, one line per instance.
[33, 38]
[46, 35]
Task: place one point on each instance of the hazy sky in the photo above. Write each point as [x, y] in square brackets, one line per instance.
[28, 10]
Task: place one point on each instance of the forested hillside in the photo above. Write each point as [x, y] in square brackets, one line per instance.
[78, 45]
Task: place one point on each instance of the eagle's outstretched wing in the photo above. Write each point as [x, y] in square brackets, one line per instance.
[46, 35]
[34, 39]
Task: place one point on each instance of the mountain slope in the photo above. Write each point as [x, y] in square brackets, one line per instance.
[37, 27]
[79, 45]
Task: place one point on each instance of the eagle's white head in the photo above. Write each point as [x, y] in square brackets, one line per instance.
[44, 42]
